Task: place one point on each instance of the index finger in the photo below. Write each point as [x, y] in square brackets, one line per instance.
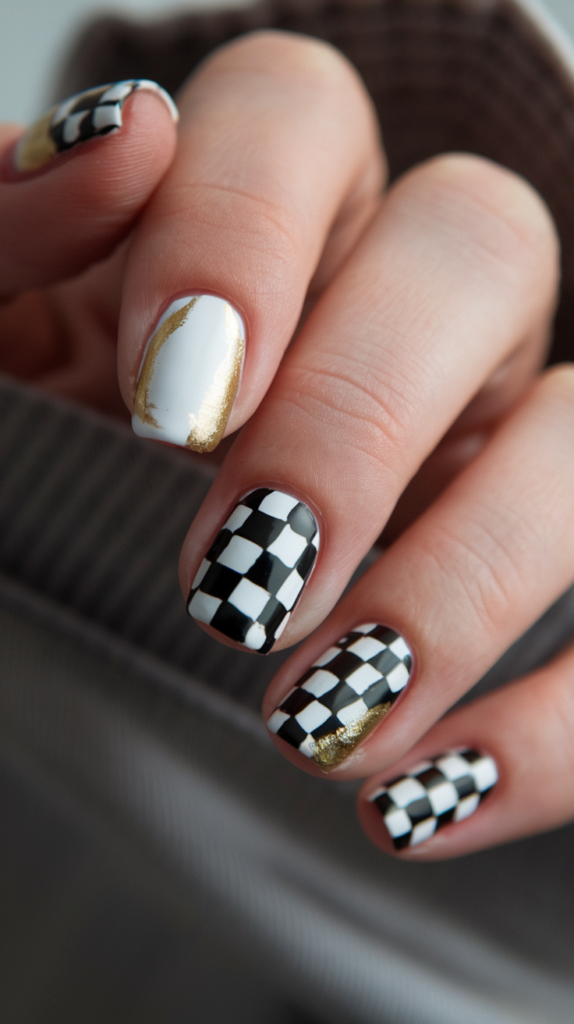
[279, 153]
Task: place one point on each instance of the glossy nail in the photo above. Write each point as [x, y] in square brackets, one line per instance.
[78, 119]
[190, 373]
[253, 574]
[448, 788]
[344, 695]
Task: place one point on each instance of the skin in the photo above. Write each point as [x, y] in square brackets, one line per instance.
[403, 330]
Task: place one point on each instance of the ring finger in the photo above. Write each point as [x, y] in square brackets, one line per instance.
[456, 590]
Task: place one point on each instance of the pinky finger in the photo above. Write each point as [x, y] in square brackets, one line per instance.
[493, 771]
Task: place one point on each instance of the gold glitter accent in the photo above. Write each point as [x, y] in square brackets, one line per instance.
[208, 427]
[36, 147]
[333, 749]
[142, 404]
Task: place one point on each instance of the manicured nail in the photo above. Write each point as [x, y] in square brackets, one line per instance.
[255, 570]
[344, 695]
[190, 373]
[78, 119]
[448, 788]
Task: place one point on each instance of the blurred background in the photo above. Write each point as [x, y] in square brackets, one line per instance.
[34, 33]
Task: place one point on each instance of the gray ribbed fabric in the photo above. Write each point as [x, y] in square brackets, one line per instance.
[94, 518]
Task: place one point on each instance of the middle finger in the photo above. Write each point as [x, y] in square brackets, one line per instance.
[456, 273]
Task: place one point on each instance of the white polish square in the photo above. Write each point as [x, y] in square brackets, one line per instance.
[288, 546]
[453, 766]
[352, 712]
[313, 716]
[320, 682]
[443, 797]
[366, 647]
[398, 822]
[484, 773]
[203, 606]
[72, 126]
[237, 518]
[103, 117]
[399, 648]
[327, 656]
[240, 554]
[255, 637]
[363, 677]
[278, 504]
[117, 92]
[466, 807]
[205, 565]
[249, 598]
[424, 830]
[406, 791]
[289, 591]
[398, 677]
[278, 718]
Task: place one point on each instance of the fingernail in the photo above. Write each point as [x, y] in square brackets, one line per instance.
[84, 116]
[344, 695]
[254, 572]
[190, 373]
[448, 788]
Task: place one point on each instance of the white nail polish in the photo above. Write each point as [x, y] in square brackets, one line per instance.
[190, 373]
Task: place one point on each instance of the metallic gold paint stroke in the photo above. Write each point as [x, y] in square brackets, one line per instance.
[142, 404]
[333, 749]
[36, 147]
[208, 427]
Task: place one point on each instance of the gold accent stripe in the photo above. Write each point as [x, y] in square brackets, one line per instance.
[36, 147]
[333, 749]
[142, 404]
[208, 427]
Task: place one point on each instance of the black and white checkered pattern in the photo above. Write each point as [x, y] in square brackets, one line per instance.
[367, 668]
[434, 793]
[253, 574]
[95, 112]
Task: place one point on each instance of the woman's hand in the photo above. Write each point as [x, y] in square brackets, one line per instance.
[411, 394]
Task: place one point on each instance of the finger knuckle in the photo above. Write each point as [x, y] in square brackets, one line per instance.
[368, 413]
[480, 566]
[263, 231]
[498, 211]
[291, 55]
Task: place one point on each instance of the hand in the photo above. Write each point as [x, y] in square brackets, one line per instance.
[411, 393]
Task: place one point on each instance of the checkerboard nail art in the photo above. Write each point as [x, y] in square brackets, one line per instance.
[253, 574]
[78, 119]
[434, 793]
[344, 695]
